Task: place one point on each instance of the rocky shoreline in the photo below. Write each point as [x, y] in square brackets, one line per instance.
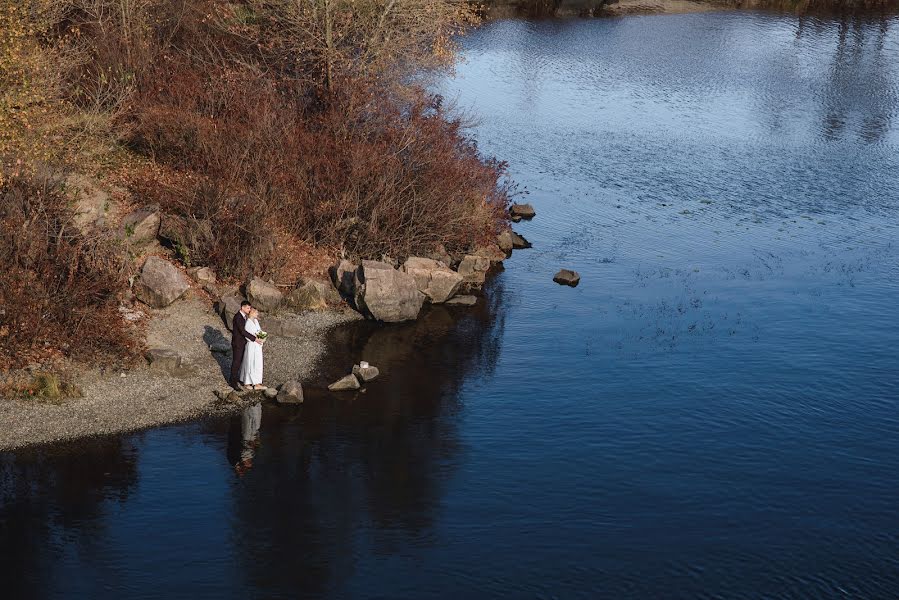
[187, 318]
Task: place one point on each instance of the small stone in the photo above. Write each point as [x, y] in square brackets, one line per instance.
[463, 301]
[366, 374]
[233, 397]
[567, 277]
[202, 275]
[291, 392]
[523, 211]
[270, 392]
[346, 383]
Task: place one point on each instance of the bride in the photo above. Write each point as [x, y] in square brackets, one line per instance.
[251, 367]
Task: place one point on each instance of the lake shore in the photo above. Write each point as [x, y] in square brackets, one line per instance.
[139, 398]
[661, 7]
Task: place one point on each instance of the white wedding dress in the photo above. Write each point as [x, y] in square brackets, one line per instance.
[251, 367]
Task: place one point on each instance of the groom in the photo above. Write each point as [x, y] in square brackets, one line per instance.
[239, 337]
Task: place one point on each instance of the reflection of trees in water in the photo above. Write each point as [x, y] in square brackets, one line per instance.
[349, 474]
[50, 492]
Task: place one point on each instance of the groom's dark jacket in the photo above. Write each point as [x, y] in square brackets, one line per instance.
[239, 333]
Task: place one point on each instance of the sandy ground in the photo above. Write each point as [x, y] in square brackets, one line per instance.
[630, 7]
[144, 398]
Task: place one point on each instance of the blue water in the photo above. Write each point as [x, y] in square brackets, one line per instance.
[711, 413]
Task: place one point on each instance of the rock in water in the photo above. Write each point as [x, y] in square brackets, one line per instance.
[141, 226]
[473, 269]
[522, 211]
[290, 392]
[263, 295]
[435, 280]
[160, 283]
[387, 294]
[366, 374]
[567, 277]
[518, 242]
[463, 301]
[347, 383]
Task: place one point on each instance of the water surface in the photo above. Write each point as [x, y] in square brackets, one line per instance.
[711, 413]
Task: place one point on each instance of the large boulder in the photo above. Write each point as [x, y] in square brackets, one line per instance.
[308, 296]
[473, 269]
[386, 294]
[160, 283]
[346, 383]
[202, 275]
[343, 274]
[263, 295]
[228, 306]
[141, 226]
[505, 242]
[522, 211]
[290, 392]
[491, 252]
[435, 280]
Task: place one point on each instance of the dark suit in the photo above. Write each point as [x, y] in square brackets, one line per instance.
[239, 337]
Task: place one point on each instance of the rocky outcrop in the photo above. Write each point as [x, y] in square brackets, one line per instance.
[160, 283]
[386, 294]
[141, 226]
[345, 383]
[308, 296]
[290, 392]
[519, 242]
[435, 280]
[567, 277]
[365, 374]
[522, 211]
[263, 295]
[463, 301]
[202, 275]
[473, 269]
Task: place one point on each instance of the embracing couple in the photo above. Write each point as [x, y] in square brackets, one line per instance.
[246, 349]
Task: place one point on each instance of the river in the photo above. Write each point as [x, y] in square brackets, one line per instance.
[712, 412]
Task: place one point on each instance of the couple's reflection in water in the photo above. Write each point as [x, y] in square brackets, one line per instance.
[243, 439]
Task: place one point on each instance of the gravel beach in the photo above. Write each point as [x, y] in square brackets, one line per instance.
[113, 403]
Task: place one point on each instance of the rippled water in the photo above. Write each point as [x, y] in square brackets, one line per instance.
[711, 413]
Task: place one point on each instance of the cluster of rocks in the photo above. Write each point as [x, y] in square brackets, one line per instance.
[361, 374]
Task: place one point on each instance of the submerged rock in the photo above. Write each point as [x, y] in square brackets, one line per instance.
[160, 283]
[567, 277]
[346, 383]
[519, 242]
[463, 301]
[522, 211]
[386, 294]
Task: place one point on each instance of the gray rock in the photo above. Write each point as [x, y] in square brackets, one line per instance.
[344, 277]
[524, 211]
[306, 297]
[164, 359]
[518, 242]
[505, 242]
[270, 392]
[473, 269]
[141, 226]
[463, 301]
[366, 374]
[263, 295]
[227, 307]
[491, 252]
[346, 383]
[290, 392]
[434, 279]
[160, 283]
[202, 275]
[386, 294]
[567, 277]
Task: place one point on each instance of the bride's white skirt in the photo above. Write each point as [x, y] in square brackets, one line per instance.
[251, 367]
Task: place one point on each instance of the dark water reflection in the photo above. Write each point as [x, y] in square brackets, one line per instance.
[711, 413]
